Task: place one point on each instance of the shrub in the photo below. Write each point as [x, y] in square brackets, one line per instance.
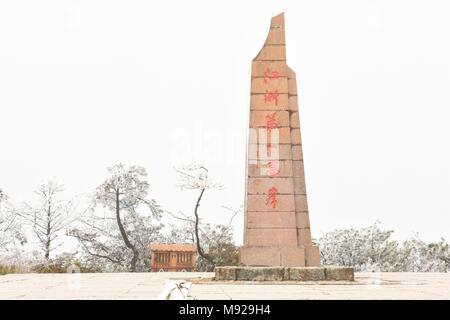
[7, 269]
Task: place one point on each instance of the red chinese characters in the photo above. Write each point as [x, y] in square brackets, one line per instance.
[273, 168]
[271, 121]
[270, 75]
[271, 96]
[272, 197]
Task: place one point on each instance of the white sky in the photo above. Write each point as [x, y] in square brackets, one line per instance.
[86, 84]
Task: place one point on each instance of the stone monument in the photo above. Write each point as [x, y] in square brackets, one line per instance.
[277, 234]
[277, 230]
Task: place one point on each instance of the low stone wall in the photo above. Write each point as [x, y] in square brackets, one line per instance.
[328, 273]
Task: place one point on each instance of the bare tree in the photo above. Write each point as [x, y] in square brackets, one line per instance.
[214, 242]
[195, 177]
[123, 192]
[50, 216]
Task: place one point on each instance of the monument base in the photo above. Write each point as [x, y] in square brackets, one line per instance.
[245, 273]
[276, 256]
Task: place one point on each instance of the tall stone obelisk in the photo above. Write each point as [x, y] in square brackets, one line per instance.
[277, 230]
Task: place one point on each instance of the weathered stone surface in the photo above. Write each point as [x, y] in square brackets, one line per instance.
[292, 86]
[302, 219]
[301, 203]
[298, 169]
[339, 273]
[295, 120]
[276, 36]
[293, 103]
[260, 118]
[307, 274]
[285, 256]
[262, 85]
[271, 237]
[296, 137]
[272, 52]
[225, 273]
[299, 185]
[312, 256]
[277, 21]
[262, 185]
[292, 256]
[304, 236]
[274, 151]
[261, 203]
[276, 274]
[271, 219]
[280, 168]
[262, 68]
[297, 152]
[259, 256]
[262, 102]
[273, 136]
[260, 274]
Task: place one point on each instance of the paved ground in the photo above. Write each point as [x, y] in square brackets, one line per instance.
[149, 285]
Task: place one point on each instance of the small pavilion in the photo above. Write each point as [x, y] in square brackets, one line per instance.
[173, 257]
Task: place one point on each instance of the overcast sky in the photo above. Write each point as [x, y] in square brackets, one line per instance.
[87, 84]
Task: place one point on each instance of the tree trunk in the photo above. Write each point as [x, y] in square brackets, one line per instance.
[197, 238]
[125, 236]
[48, 232]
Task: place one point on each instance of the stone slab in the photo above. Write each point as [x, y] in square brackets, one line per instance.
[292, 86]
[257, 102]
[259, 274]
[301, 202]
[292, 103]
[286, 256]
[307, 274]
[261, 118]
[261, 85]
[271, 220]
[276, 36]
[296, 137]
[271, 237]
[264, 184]
[284, 273]
[312, 256]
[262, 203]
[302, 219]
[262, 68]
[299, 185]
[272, 53]
[282, 168]
[295, 120]
[339, 273]
[274, 151]
[297, 152]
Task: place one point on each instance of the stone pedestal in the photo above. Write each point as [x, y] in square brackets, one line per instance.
[326, 273]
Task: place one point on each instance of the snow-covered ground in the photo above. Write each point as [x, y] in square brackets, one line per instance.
[150, 286]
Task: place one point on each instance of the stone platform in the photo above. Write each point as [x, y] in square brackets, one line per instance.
[247, 273]
[384, 285]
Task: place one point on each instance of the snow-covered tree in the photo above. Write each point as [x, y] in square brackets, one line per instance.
[49, 217]
[216, 239]
[214, 242]
[372, 249]
[120, 241]
[195, 177]
[11, 232]
[367, 248]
